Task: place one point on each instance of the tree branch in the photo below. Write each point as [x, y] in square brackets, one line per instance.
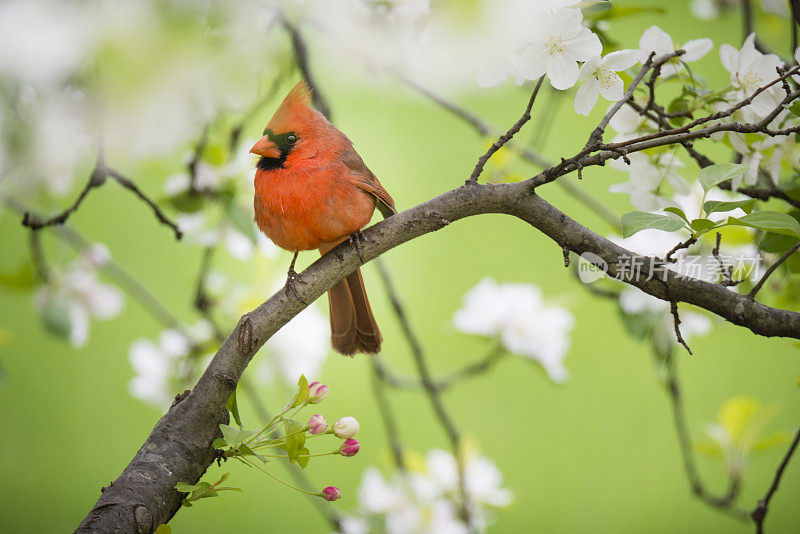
[179, 448]
[760, 512]
[724, 502]
[772, 268]
[506, 137]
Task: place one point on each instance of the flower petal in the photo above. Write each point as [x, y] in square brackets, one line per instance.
[654, 39]
[729, 57]
[533, 61]
[621, 60]
[611, 87]
[588, 69]
[562, 71]
[696, 48]
[583, 47]
[586, 97]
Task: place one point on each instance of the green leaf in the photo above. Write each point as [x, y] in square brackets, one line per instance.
[772, 221]
[721, 172]
[794, 108]
[302, 458]
[163, 529]
[302, 392]
[184, 487]
[714, 206]
[702, 225]
[295, 439]
[234, 436]
[637, 221]
[219, 443]
[677, 211]
[247, 450]
[233, 407]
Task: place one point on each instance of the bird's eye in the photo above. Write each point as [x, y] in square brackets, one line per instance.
[292, 139]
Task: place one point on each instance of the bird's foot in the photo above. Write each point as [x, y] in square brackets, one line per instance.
[355, 241]
[291, 279]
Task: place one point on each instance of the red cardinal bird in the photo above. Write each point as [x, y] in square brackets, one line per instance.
[313, 191]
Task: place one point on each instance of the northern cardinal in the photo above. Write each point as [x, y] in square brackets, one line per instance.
[313, 191]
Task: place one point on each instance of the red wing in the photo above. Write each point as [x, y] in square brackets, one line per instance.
[364, 179]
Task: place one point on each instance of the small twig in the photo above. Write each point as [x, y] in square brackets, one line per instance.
[772, 268]
[387, 415]
[759, 513]
[128, 184]
[596, 137]
[37, 254]
[430, 389]
[794, 20]
[299, 475]
[506, 137]
[673, 307]
[680, 246]
[96, 179]
[479, 367]
[723, 503]
[301, 58]
[202, 303]
[194, 161]
[726, 271]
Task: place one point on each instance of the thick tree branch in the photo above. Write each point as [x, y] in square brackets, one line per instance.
[179, 448]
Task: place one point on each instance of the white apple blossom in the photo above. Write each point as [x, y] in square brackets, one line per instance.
[628, 123]
[600, 78]
[70, 299]
[751, 70]
[562, 41]
[646, 174]
[424, 501]
[163, 368]
[196, 230]
[517, 315]
[654, 39]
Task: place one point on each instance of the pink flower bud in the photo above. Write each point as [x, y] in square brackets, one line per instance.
[346, 427]
[317, 424]
[349, 448]
[331, 493]
[317, 392]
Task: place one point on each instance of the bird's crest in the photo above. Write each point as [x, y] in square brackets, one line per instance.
[295, 107]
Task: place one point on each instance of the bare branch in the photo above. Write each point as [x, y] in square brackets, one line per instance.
[760, 512]
[485, 129]
[772, 268]
[723, 503]
[506, 137]
[430, 388]
[301, 58]
[181, 440]
[128, 184]
[387, 414]
[673, 308]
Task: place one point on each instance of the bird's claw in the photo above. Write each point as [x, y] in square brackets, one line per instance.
[355, 241]
[291, 278]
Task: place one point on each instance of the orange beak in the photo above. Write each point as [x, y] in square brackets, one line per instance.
[265, 147]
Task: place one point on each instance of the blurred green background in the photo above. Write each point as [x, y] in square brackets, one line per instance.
[598, 454]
